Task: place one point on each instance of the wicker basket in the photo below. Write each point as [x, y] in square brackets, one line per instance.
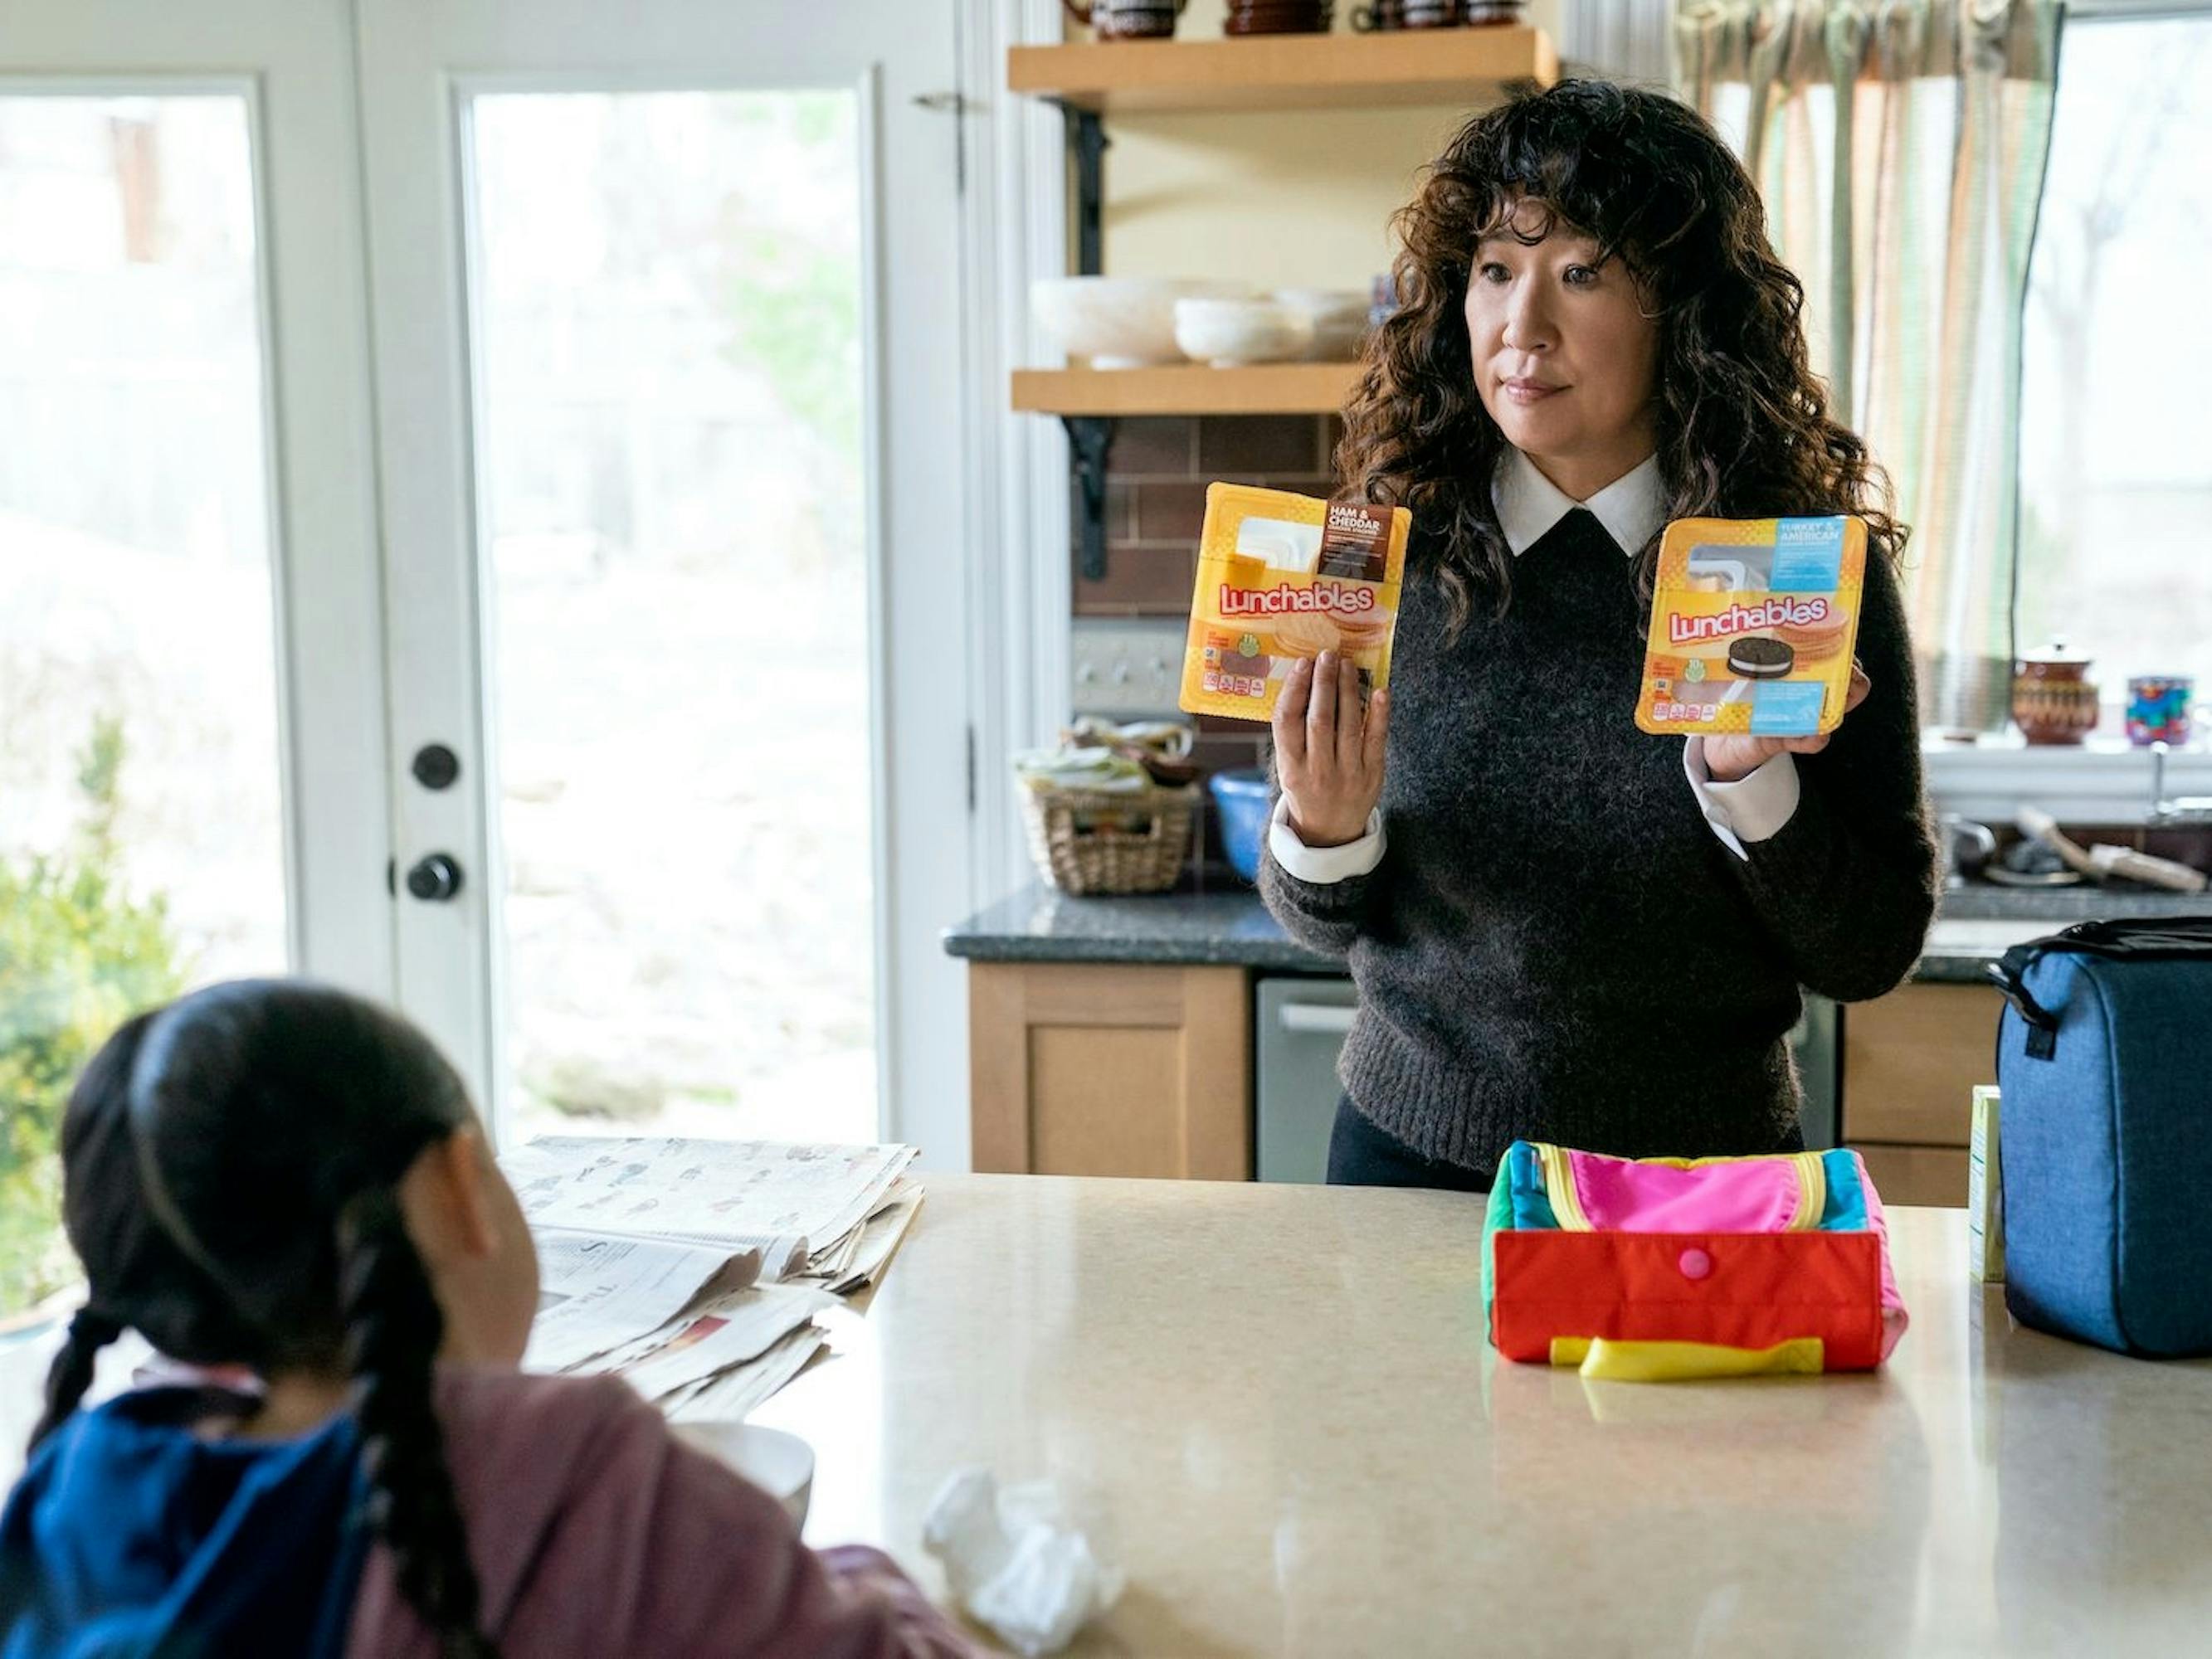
[1092, 841]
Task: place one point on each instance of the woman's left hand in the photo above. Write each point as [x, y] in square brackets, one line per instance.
[1731, 759]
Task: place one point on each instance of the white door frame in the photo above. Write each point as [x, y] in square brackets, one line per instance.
[293, 61]
[1016, 232]
[420, 59]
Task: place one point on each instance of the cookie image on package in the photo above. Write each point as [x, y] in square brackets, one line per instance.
[1365, 631]
[1815, 641]
[1755, 657]
[1362, 636]
[1306, 635]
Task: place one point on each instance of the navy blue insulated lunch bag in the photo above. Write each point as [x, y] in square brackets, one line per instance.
[2105, 1065]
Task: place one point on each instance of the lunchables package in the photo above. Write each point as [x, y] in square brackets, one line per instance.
[1752, 626]
[1283, 576]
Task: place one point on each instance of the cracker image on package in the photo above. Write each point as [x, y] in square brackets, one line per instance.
[1281, 577]
[1752, 626]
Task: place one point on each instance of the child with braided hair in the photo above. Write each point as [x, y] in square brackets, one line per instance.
[276, 1179]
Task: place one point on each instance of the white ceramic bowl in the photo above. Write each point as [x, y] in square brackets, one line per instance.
[1118, 322]
[779, 1464]
[1340, 320]
[1230, 333]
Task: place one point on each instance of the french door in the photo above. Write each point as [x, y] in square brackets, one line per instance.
[193, 762]
[481, 522]
[664, 298]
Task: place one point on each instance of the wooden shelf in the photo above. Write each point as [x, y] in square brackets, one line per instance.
[1285, 71]
[1187, 389]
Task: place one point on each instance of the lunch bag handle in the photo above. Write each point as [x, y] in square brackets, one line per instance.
[2151, 939]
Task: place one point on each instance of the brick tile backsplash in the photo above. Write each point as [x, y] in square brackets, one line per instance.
[1168, 511]
[1155, 444]
[1221, 725]
[1121, 509]
[1141, 580]
[1224, 753]
[1262, 444]
[1156, 476]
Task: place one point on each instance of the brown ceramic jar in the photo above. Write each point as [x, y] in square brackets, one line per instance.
[2053, 699]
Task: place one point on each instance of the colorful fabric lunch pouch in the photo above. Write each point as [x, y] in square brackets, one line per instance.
[1645, 1269]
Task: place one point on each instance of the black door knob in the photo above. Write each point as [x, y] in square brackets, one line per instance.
[435, 878]
[435, 766]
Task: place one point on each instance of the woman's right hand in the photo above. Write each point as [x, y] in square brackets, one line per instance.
[1328, 749]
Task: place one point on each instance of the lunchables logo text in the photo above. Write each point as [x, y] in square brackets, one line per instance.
[1284, 601]
[1780, 612]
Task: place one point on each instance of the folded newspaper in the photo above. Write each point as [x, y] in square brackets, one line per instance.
[695, 1269]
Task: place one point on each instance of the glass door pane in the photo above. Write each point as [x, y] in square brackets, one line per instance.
[142, 841]
[668, 312]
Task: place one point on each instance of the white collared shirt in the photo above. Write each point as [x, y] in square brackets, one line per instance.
[1633, 509]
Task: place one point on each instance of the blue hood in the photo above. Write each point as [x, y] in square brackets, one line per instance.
[128, 1535]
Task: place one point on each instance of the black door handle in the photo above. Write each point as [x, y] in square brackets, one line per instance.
[435, 766]
[435, 878]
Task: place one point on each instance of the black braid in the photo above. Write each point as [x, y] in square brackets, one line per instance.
[393, 1327]
[71, 1373]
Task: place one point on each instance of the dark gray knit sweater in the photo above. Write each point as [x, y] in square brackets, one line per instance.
[1556, 945]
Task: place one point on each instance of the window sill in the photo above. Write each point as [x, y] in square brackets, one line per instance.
[2104, 781]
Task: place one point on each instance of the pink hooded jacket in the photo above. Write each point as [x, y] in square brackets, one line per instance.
[595, 1532]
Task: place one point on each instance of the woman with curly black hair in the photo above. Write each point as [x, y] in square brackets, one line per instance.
[1564, 929]
[284, 1185]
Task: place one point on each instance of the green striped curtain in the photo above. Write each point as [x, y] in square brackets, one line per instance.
[1900, 147]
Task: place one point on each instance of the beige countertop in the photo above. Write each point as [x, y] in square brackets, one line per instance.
[1279, 1399]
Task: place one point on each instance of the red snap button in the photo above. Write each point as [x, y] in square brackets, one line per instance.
[1695, 1264]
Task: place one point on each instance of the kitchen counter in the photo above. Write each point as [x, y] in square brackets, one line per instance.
[1229, 926]
[1225, 927]
[1279, 1402]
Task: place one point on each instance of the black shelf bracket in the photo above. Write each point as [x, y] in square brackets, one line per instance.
[1090, 438]
[1086, 142]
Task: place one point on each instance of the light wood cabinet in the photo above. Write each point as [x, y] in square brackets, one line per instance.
[1128, 1069]
[1917, 1175]
[1910, 1061]
[1111, 1069]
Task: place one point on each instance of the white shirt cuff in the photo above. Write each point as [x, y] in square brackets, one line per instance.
[1323, 865]
[1752, 808]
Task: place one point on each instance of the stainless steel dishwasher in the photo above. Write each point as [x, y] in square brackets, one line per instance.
[1301, 1020]
[1302, 1024]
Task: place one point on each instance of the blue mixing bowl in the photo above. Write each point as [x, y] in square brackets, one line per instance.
[1241, 798]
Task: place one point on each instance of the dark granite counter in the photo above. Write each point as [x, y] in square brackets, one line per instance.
[1227, 926]
[2061, 906]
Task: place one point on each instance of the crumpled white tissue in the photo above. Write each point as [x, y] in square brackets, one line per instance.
[1015, 1562]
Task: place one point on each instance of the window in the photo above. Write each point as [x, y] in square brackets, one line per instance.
[2116, 450]
[141, 846]
[669, 290]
